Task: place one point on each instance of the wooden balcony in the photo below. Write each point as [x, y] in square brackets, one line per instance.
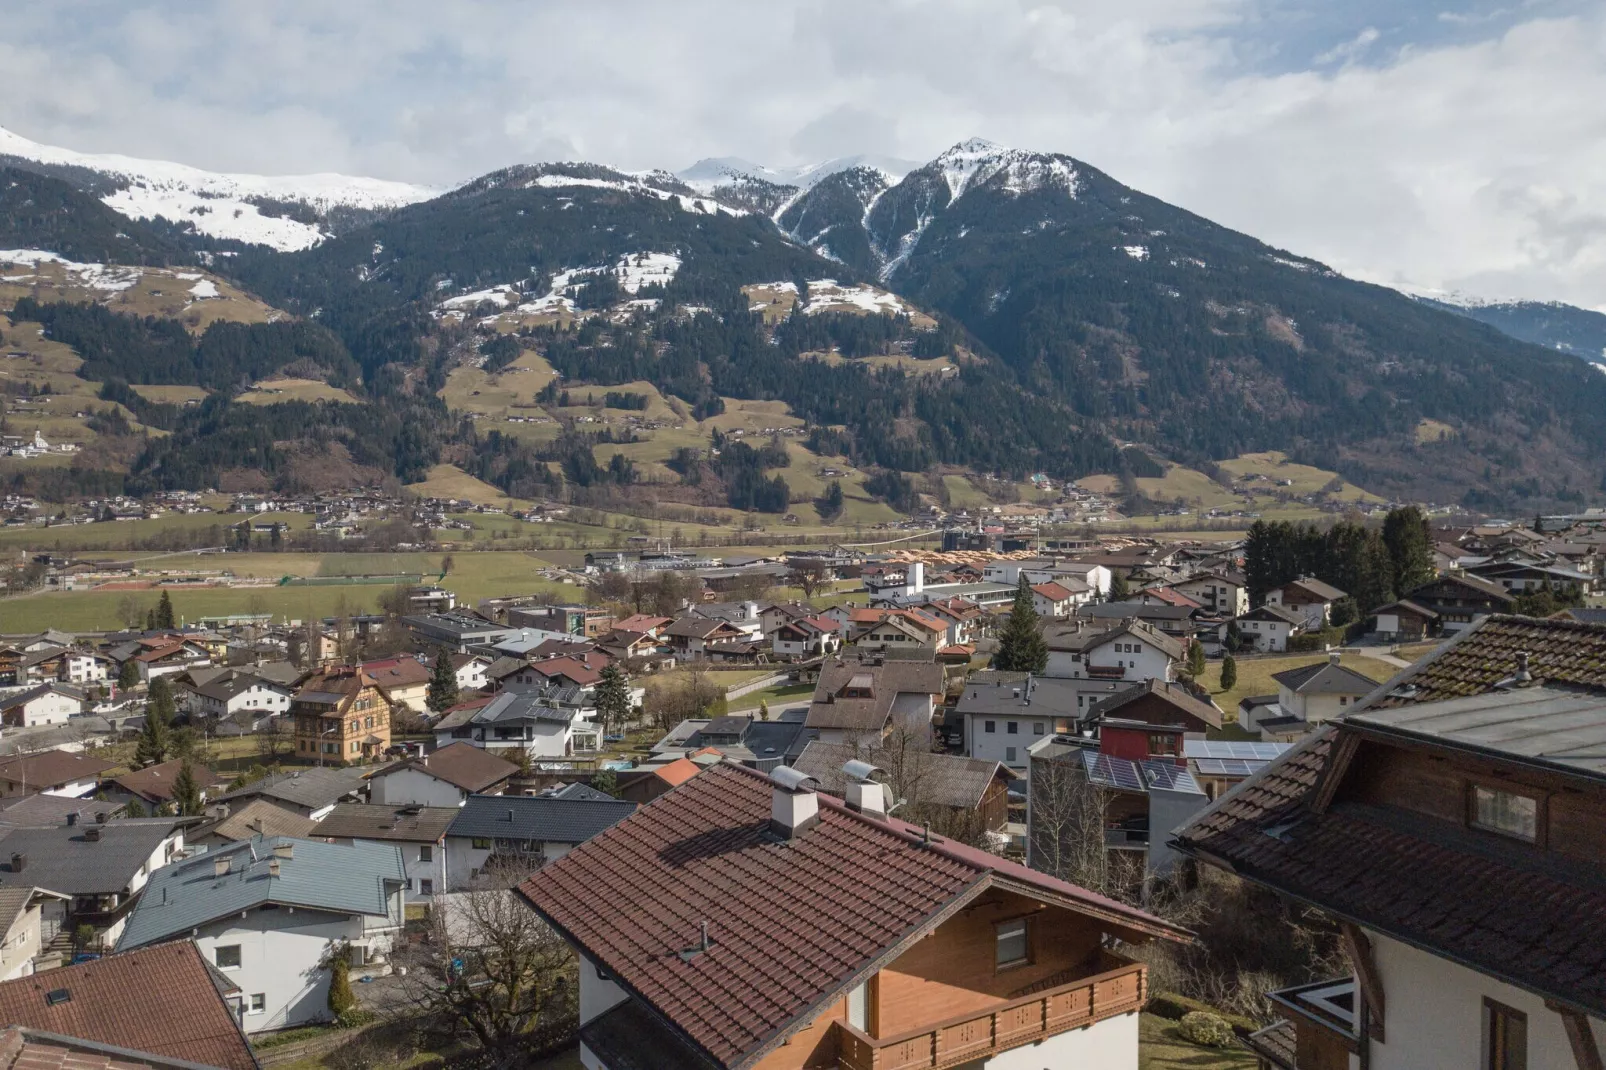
[1042, 1014]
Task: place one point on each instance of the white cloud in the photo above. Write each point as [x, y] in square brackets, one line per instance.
[1476, 164]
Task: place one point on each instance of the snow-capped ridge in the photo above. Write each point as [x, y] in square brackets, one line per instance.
[977, 161]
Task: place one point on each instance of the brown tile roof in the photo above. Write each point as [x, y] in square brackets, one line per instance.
[131, 1000]
[1560, 652]
[792, 925]
[382, 821]
[50, 768]
[397, 672]
[1173, 693]
[27, 1049]
[155, 782]
[259, 817]
[887, 681]
[462, 765]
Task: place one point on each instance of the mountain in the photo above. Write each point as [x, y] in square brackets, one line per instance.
[1041, 317]
[42, 213]
[287, 212]
[1579, 331]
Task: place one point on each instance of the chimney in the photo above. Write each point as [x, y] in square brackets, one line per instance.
[92, 834]
[284, 850]
[220, 866]
[1333, 657]
[273, 867]
[72, 819]
[794, 806]
[1523, 677]
[917, 577]
[19, 863]
[864, 793]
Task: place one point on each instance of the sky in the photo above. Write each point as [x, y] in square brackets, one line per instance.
[1455, 146]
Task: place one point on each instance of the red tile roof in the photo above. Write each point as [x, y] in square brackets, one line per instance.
[678, 771]
[162, 999]
[792, 925]
[582, 672]
[1052, 591]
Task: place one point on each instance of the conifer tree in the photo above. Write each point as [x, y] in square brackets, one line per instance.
[127, 675]
[342, 1001]
[186, 792]
[153, 740]
[1021, 646]
[612, 697]
[1120, 589]
[164, 612]
[1196, 659]
[1229, 673]
[442, 693]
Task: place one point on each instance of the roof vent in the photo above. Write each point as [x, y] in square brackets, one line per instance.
[19, 862]
[284, 849]
[220, 866]
[273, 867]
[1523, 677]
[864, 794]
[92, 834]
[701, 947]
[794, 806]
[72, 819]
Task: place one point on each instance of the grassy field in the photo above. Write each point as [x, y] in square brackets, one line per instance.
[124, 534]
[450, 481]
[173, 395]
[1255, 675]
[151, 291]
[1274, 466]
[1194, 489]
[275, 390]
[784, 695]
[1161, 1048]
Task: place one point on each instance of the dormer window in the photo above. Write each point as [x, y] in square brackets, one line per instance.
[1507, 813]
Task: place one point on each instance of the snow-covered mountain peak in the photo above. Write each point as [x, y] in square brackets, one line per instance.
[977, 161]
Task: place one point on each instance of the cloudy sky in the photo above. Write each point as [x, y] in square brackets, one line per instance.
[1458, 145]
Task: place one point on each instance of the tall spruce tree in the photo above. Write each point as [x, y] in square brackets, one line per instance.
[1196, 659]
[612, 697]
[1021, 646]
[164, 612]
[186, 792]
[1229, 673]
[442, 693]
[1410, 547]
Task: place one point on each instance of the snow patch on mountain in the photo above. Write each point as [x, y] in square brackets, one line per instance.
[629, 184]
[978, 161]
[828, 295]
[634, 271]
[223, 205]
[110, 278]
[708, 175]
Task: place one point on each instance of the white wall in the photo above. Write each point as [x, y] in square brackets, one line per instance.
[1147, 662]
[464, 860]
[1108, 1045]
[1434, 1015]
[49, 708]
[994, 746]
[280, 952]
[596, 995]
[414, 787]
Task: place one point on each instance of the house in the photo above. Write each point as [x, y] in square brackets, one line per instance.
[118, 1012]
[1308, 597]
[519, 721]
[894, 939]
[1265, 630]
[857, 700]
[458, 630]
[806, 637]
[1003, 715]
[1520, 577]
[1160, 702]
[896, 629]
[1318, 693]
[1467, 783]
[86, 667]
[23, 933]
[1053, 599]
[341, 717]
[1130, 650]
[522, 831]
[740, 738]
[691, 636]
[419, 831]
[588, 621]
[247, 820]
[267, 913]
[1218, 764]
[309, 792]
[46, 704]
[926, 779]
[1461, 599]
[1405, 621]
[1136, 782]
[1176, 617]
[232, 692]
[402, 680]
[965, 619]
[1219, 592]
[646, 782]
[622, 645]
[643, 624]
[153, 785]
[167, 655]
[51, 772]
[469, 670]
[101, 867]
[443, 777]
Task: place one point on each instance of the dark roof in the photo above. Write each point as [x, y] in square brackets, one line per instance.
[1462, 579]
[47, 811]
[129, 1000]
[225, 688]
[1324, 678]
[1282, 613]
[50, 768]
[630, 1036]
[1277, 1044]
[886, 681]
[1039, 696]
[1311, 585]
[582, 792]
[1405, 605]
[793, 926]
[312, 788]
[65, 858]
[377, 821]
[938, 779]
[24, 697]
[462, 765]
[1586, 614]
[1427, 882]
[542, 819]
[155, 782]
[695, 627]
[1172, 693]
[1560, 653]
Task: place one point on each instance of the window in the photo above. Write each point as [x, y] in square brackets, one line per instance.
[426, 886]
[1505, 1037]
[482, 843]
[1014, 728]
[259, 1003]
[990, 726]
[1009, 754]
[426, 853]
[1037, 728]
[227, 956]
[1159, 743]
[1013, 949]
[1505, 812]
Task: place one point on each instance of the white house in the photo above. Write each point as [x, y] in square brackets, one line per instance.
[236, 692]
[522, 830]
[444, 777]
[22, 928]
[45, 704]
[1308, 597]
[86, 667]
[470, 670]
[1131, 651]
[1265, 630]
[806, 637]
[266, 914]
[1053, 599]
[418, 831]
[51, 772]
[1004, 716]
[516, 721]
[1221, 593]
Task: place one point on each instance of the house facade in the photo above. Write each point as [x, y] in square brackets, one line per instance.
[45, 704]
[341, 717]
[521, 832]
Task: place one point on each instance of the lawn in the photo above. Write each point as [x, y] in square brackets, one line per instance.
[1255, 675]
[275, 390]
[118, 535]
[1160, 1048]
[450, 481]
[785, 695]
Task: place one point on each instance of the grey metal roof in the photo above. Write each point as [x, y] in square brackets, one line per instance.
[341, 878]
[1039, 697]
[512, 707]
[312, 788]
[548, 820]
[377, 821]
[65, 859]
[1539, 725]
[1325, 678]
[583, 792]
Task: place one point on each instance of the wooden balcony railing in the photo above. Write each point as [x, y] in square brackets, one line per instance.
[1009, 1025]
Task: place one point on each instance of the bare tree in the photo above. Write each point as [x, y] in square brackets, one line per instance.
[1067, 832]
[490, 973]
[810, 577]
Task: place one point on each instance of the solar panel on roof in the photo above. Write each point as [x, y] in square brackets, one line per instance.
[1113, 772]
[1232, 748]
[1226, 767]
[1166, 775]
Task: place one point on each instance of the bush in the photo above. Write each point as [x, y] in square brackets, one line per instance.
[1175, 1007]
[1306, 643]
[1210, 1030]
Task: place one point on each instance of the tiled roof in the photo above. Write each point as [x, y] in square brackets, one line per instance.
[887, 682]
[397, 672]
[83, 859]
[1052, 591]
[1173, 693]
[258, 817]
[462, 765]
[792, 925]
[1311, 585]
[351, 878]
[1560, 652]
[129, 1001]
[156, 781]
[542, 819]
[1325, 678]
[630, 1037]
[312, 788]
[51, 768]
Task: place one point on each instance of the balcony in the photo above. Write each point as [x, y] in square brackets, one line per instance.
[1035, 1016]
[1126, 839]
